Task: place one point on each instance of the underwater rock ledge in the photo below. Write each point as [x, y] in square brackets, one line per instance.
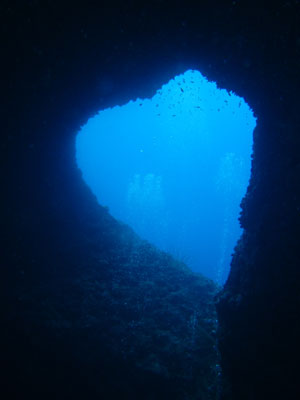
[120, 321]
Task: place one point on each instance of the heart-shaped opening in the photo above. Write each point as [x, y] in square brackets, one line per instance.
[175, 168]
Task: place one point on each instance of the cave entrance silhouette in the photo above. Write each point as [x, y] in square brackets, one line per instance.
[175, 168]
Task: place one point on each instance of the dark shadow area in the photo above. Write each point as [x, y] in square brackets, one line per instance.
[83, 314]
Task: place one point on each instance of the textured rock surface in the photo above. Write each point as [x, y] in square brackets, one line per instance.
[61, 63]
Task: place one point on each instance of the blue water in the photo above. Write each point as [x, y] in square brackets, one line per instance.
[175, 168]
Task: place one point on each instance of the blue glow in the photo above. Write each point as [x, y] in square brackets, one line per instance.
[175, 168]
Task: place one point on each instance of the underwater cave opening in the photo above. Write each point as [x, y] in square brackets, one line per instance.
[175, 168]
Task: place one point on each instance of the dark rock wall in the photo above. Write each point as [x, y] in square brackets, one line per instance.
[60, 63]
